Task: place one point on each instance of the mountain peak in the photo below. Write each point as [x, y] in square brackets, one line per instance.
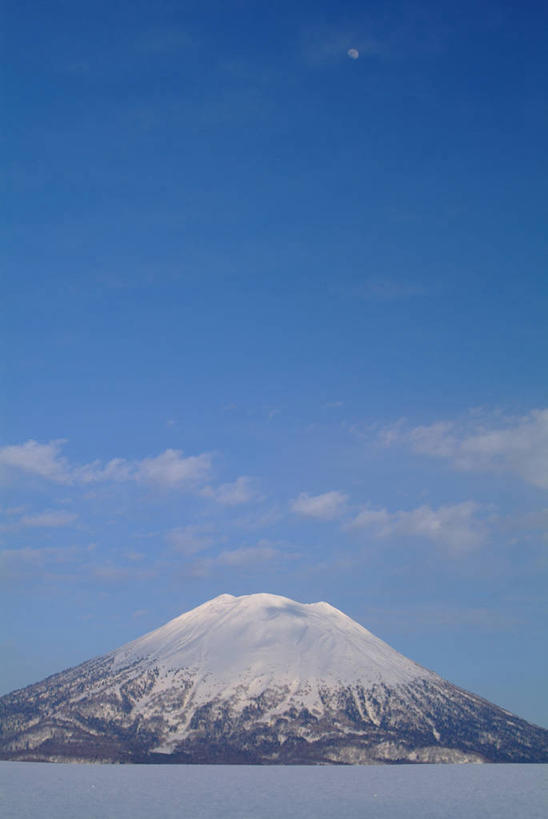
[266, 637]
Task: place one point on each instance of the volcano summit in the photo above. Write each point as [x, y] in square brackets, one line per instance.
[259, 679]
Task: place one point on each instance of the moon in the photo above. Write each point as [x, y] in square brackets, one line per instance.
[353, 53]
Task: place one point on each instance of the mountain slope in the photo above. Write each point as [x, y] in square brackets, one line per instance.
[259, 679]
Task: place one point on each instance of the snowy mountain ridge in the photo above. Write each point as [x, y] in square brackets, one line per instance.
[259, 679]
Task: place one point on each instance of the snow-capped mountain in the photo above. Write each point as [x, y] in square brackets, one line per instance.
[259, 679]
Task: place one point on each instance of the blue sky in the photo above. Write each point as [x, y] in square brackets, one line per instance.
[275, 320]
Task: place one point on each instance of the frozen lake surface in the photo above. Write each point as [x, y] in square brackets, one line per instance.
[249, 792]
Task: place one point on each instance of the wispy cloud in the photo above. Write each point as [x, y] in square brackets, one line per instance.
[172, 469]
[116, 470]
[135, 557]
[514, 445]
[36, 557]
[242, 490]
[456, 528]
[53, 518]
[436, 617]
[11, 511]
[259, 518]
[50, 519]
[191, 539]
[327, 506]
[169, 469]
[119, 574]
[244, 557]
[33, 458]
[28, 563]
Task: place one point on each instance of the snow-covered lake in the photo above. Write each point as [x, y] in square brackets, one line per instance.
[251, 792]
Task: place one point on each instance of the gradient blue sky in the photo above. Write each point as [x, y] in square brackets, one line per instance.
[275, 320]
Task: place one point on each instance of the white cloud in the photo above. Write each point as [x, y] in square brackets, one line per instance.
[169, 469]
[515, 445]
[325, 507]
[117, 469]
[53, 518]
[172, 469]
[37, 459]
[242, 490]
[372, 517]
[456, 528]
[436, 439]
